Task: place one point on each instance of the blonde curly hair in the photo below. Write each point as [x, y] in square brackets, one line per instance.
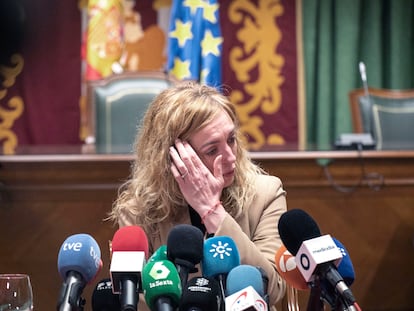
[152, 195]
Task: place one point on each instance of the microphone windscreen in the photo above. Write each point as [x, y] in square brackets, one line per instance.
[220, 256]
[201, 293]
[286, 266]
[243, 276]
[80, 253]
[296, 226]
[345, 267]
[159, 254]
[130, 238]
[103, 299]
[161, 279]
[185, 242]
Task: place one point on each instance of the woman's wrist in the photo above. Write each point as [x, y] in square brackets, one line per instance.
[213, 217]
[212, 210]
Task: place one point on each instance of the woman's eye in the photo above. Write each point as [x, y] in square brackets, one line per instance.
[211, 152]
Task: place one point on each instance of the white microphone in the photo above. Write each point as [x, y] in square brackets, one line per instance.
[314, 252]
[317, 257]
[246, 299]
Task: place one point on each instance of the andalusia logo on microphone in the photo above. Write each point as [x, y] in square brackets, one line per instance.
[221, 249]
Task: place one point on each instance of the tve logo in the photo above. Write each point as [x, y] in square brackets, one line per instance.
[72, 246]
[96, 256]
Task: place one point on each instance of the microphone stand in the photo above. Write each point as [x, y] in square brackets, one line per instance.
[315, 302]
[222, 280]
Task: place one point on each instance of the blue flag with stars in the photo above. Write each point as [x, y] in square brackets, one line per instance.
[195, 41]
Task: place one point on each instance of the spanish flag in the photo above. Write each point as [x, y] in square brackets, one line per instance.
[104, 39]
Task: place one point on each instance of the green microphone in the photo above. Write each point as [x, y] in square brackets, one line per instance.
[161, 285]
[159, 254]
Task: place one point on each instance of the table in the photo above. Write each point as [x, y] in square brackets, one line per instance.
[44, 198]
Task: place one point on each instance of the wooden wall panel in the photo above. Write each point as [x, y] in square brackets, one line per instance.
[45, 199]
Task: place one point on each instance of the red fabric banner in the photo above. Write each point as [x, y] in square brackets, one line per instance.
[41, 89]
[44, 74]
[260, 69]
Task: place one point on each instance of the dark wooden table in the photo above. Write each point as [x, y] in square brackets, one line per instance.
[366, 200]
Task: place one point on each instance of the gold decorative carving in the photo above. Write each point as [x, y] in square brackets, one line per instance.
[257, 65]
[14, 107]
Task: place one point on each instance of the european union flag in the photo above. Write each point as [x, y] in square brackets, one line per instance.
[195, 41]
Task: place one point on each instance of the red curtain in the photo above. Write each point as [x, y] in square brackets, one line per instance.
[49, 82]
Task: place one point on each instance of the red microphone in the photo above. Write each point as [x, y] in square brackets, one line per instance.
[129, 255]
[286, 266]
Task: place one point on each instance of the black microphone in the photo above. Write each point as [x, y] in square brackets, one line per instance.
[185, 249]
[315, 255]
[103, 299]
[201, 293]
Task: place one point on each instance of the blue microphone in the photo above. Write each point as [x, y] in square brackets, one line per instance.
[220, 256]
[79, 261]
[245, 289]
[345, 267]
[243, 276]
[346, 270]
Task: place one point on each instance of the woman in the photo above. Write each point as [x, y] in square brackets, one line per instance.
[190, 167]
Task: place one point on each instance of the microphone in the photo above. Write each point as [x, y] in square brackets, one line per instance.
[345, 267]
[162, 285]
[286, 266]
[363, 74]
[79, 261]
[346, 270]
[265, 281]
[220, 257]
[201, 293]
[185, 249]
[315, 254]
[129, 253]
[243, 276]
[245, 290]
[103, 299]
[159, 254]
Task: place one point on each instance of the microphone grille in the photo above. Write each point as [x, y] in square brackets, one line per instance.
[185, 242]
[130, 238]
[296, 226]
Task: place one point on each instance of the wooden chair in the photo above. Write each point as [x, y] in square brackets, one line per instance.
[115, 107]
[387, 114]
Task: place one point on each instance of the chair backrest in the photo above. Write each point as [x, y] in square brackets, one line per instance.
[387, 114]
[116, 105]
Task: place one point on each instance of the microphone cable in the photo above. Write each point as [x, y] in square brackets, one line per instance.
[374, 181]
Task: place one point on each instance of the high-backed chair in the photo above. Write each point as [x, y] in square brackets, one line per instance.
[387, 114]
[116, 105]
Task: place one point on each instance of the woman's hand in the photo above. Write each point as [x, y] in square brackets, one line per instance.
[201, 188]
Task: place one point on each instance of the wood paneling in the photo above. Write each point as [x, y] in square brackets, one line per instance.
[46, 198]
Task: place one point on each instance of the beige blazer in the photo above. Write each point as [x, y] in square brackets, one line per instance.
[255, 232]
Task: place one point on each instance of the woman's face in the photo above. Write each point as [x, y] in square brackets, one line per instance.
[217, 138]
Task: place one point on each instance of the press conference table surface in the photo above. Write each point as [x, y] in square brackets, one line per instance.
[366, 200]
